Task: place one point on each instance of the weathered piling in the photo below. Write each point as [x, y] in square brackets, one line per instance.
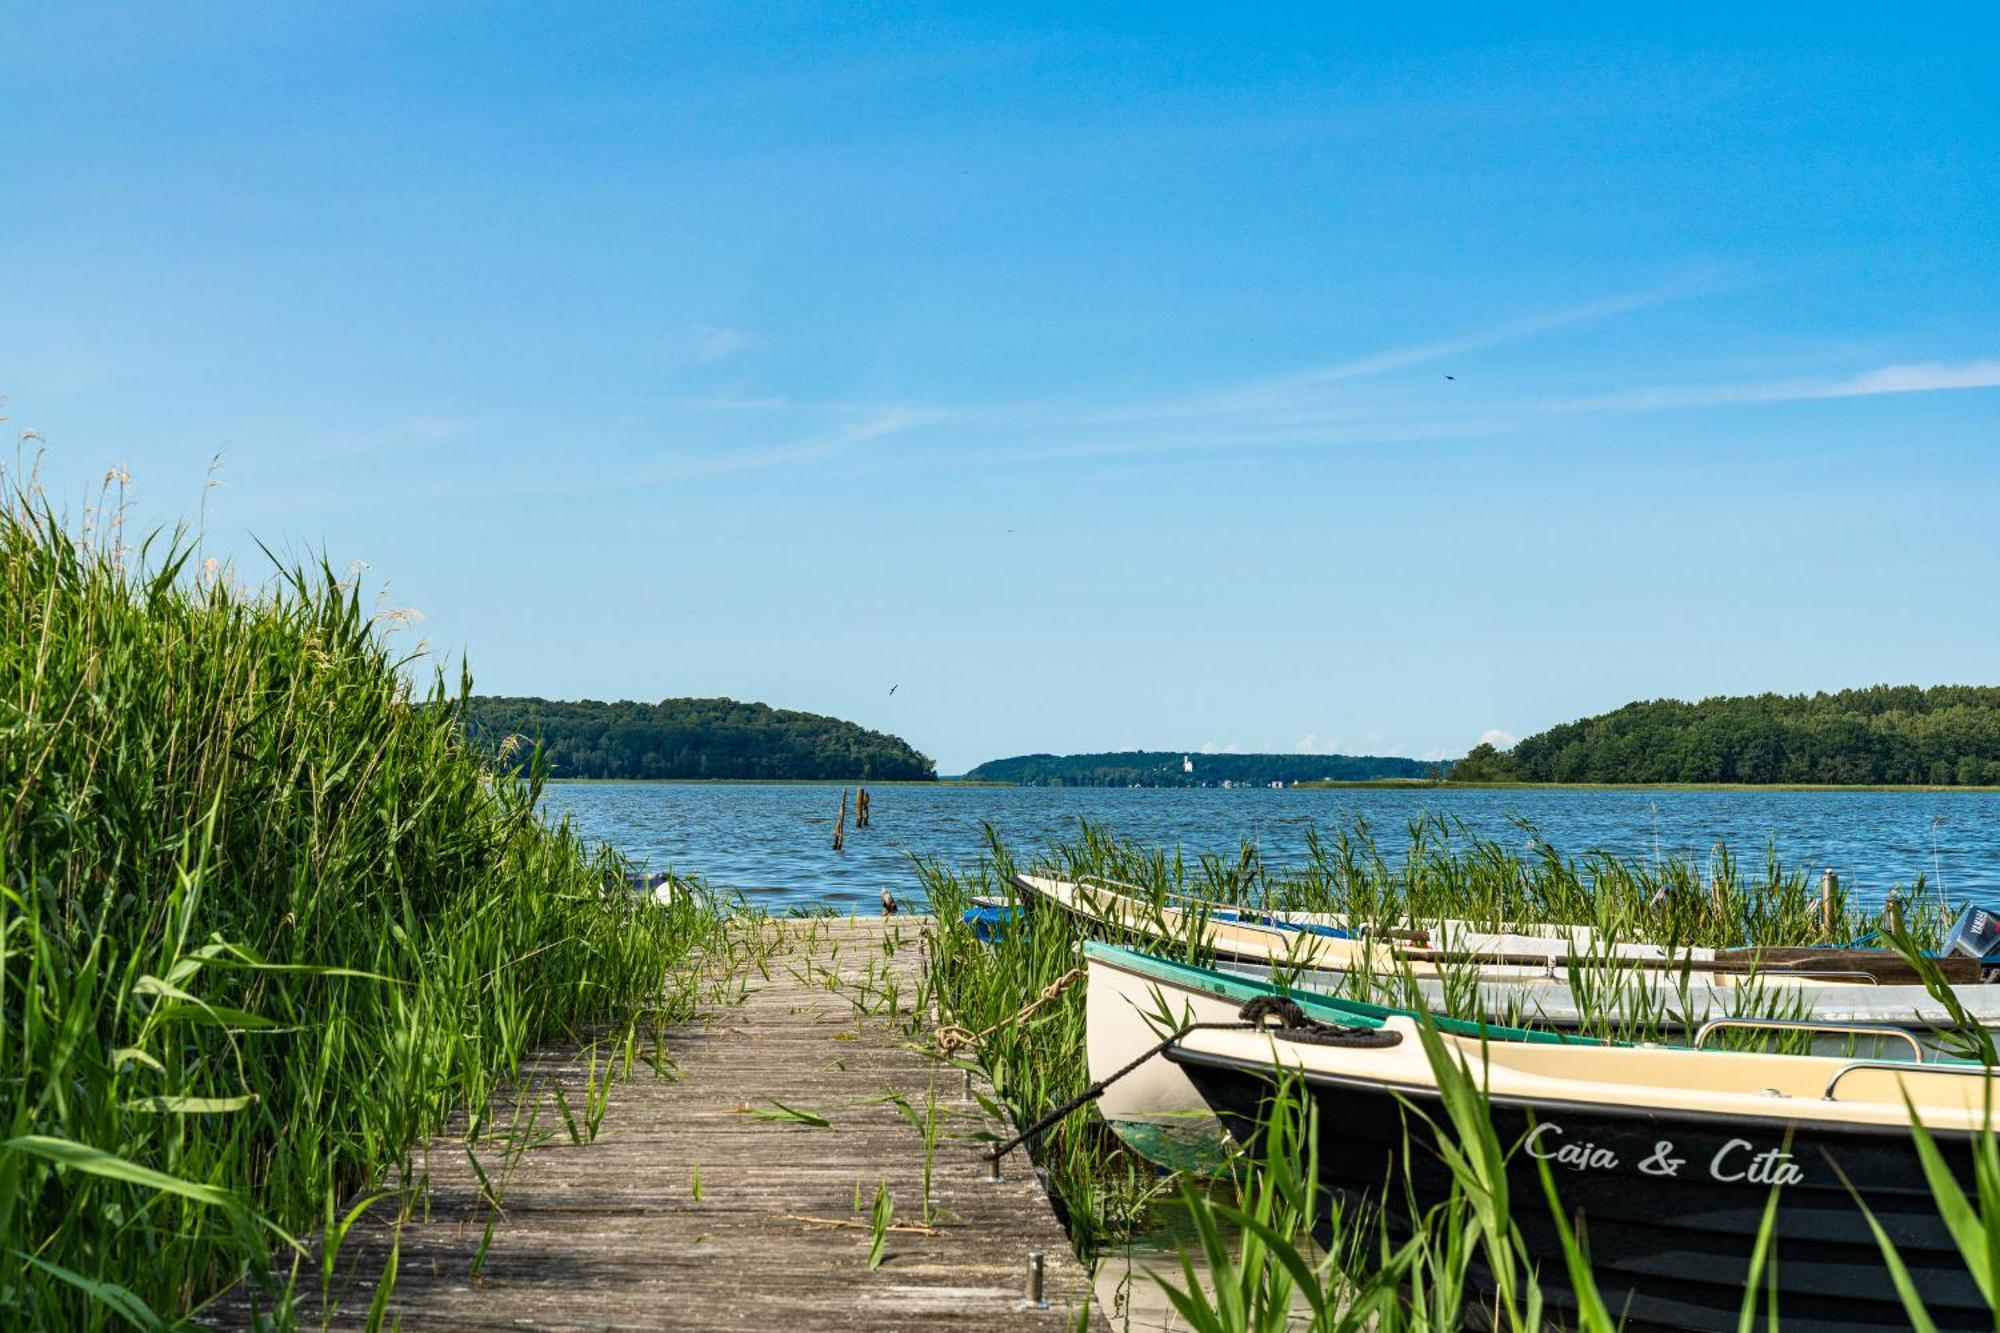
[840, 824]
[861, 808]
[1829, 893]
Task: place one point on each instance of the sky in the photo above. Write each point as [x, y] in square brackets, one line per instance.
[1097, 378]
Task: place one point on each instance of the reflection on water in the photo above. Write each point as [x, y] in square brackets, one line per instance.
[775, 841]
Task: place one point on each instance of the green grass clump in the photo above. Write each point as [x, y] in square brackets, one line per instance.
[265, 922]
[1101, 1186]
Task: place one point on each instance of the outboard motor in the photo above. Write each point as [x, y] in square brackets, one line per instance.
[1976, 934]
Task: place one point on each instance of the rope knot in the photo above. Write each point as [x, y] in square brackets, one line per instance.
[1295, 1024]
[951, 1037]
[1280, 1007]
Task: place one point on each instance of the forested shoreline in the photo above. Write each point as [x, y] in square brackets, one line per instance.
[1192, 768]
[1889, 735]
[688, 738]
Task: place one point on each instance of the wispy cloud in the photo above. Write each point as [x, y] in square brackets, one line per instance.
[1921, 377]
[1293, 409]
[719, 344]
[1359, 401]
[1497, 335]
[424, 430]
[730, 462]
[1301, 393]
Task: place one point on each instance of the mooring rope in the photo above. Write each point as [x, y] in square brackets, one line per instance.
[1293, 1024]
[951, 1037]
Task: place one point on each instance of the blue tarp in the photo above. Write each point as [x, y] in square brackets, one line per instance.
[986, 922]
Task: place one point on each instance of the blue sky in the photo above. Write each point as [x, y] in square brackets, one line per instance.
[1100, 378]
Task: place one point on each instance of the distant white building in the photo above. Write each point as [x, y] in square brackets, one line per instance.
[1187, 764]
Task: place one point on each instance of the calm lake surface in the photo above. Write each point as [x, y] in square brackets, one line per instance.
[774, 842]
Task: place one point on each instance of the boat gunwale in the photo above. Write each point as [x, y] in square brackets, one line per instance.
[1180, 1054]
[1097, 951]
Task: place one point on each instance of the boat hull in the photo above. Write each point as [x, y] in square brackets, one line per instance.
[1154, 1108]
[1670, 1204]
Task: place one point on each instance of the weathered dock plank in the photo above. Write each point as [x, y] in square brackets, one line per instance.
[610, 1233]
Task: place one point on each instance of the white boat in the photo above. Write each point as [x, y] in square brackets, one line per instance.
[1334, 940]
[1669, 1160]
[1324, 955]
[1134, 999]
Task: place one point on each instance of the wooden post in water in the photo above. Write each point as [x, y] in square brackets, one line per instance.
[861, 808]
[1892, 913]
[840, 824]
[1829, 889]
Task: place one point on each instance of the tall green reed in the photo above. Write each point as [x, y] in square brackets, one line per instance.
[1459, 1262]
[1035, 1064]
[265, 922]
[1436, 871]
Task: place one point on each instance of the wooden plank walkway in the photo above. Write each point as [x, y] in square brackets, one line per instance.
[610, 1233]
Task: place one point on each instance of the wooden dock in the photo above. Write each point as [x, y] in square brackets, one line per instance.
[690, 1209]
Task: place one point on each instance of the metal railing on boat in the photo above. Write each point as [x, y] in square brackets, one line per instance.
[1811, 1025]
[1903, 1067]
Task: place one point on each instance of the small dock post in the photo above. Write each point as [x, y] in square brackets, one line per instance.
[1036, 1260]
[840, 824]
[1829, 891]
[861, 808]
[1892, 913]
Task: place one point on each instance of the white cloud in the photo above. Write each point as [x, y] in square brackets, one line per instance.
[408, 433]
[1498, 739]
[719, 344]
[1920, 377]
[1925, 377]
[1369, 399]
[1402, 358]
[1210, 747]
[436, 427]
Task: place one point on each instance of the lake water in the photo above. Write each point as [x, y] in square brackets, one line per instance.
[774, 842]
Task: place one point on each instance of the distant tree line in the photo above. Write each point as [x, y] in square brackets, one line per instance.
[689, 738]
[1887, 734]
[1191, 768]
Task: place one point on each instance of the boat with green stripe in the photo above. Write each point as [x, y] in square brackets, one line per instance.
[1135, 999]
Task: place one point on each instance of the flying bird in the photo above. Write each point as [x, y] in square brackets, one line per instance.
[1451, 377]
[895, 687]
